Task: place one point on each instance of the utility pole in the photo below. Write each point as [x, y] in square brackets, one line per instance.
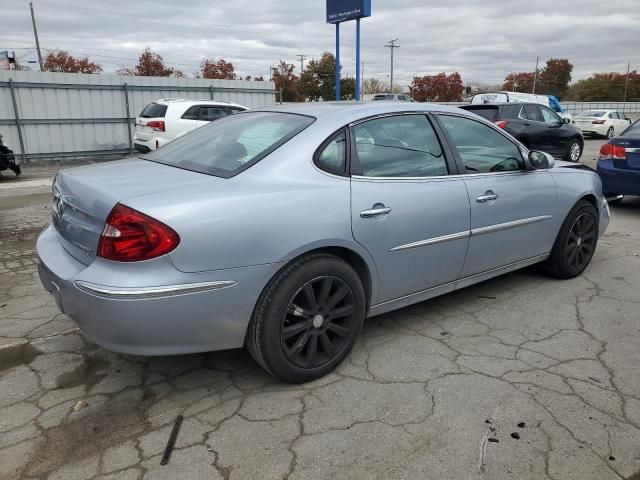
[392, 45]
[302, 58]
[35, 34]
[535, 76]
[626, 83]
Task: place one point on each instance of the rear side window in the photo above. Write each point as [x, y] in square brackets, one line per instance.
[230, 145]
[490, 113]
[191, 113]
[332, 157]
[481, 148]
[399, 146]
[154, 110]
[208, 113]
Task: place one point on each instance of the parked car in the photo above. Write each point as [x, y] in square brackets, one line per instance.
[605, 123]
[536, 126]
[8, 159]
[389, 97]
[518, 97]
[619, 164]
[165, 120]
[283, 228]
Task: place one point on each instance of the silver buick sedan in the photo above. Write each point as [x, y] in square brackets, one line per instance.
[282, 229]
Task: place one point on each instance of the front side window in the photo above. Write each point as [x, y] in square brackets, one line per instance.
[550, 117]
[399, 146]
[531, 112]
[481, 148]
[232, 144]
[333, 156]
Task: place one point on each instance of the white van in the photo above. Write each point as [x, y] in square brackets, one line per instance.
[507, 97]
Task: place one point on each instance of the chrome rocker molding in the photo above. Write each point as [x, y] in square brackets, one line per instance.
[423, 295]
[432, 241]
[151, 292]
[507, 225]
[474, 233]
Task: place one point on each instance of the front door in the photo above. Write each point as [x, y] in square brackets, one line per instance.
[406, 210]
[512, 208]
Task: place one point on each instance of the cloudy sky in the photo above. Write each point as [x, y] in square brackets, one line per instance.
[482, 39]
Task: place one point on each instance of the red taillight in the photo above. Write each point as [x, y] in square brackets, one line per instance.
[598, 122]
[608, 151]
[131, 236]
[157, 125]
[501, 123]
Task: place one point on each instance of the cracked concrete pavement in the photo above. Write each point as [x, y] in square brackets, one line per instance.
[438, 390]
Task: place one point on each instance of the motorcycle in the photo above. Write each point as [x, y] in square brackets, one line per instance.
[8, 159]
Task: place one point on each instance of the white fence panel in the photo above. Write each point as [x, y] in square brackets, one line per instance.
[77, 115]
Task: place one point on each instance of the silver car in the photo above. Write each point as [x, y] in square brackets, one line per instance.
[282, 229]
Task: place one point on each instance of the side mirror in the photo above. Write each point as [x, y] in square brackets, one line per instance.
[540, 160]
[566, 120]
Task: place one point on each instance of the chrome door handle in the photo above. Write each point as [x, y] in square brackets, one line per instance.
[487, 197]
[374, 212]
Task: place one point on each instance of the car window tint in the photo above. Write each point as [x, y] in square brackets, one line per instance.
[210, 113]
[332, 157]
[399, 146]
[549, 116]
[481, 148]
[154, 110]
[191, 113]
[488, 112]
[531, 112]
[231, 144]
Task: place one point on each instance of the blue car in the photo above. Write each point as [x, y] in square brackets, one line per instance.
[619, 164]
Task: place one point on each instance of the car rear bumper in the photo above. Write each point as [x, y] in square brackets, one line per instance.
[156, 310]
[617, 181]
[594, 129]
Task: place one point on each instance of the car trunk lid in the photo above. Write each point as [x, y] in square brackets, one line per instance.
[632, 152]
[83, 197]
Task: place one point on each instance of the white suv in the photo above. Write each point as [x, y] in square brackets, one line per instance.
[164, 120]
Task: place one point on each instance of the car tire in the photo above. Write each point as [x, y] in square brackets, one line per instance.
[610, 133]
[307, 319]
[576, 242]
[574, 151]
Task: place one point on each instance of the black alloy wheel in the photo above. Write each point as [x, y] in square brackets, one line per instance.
[581, 241]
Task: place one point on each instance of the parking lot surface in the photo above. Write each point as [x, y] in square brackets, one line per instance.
[521, 377]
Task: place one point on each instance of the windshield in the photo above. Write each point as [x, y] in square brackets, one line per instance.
[232, 144]
[592, 113]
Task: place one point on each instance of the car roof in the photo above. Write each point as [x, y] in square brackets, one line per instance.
[351, 111]
[182, 101]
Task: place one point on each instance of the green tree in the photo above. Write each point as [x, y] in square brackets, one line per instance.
[555, 77]
[318, 81]
[606, 87]
[284, 78]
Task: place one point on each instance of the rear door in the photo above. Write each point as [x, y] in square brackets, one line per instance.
[407, 210]
[512, 208]
[183, 122]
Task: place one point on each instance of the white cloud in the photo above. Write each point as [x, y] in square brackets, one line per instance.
[482, 39]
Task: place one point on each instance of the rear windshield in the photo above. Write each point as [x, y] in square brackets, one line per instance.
[490, 113]
[232, 144]
[383, 97]
[154, 110]
[592, 113]
[632, 131]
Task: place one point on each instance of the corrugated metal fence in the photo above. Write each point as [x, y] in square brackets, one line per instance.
[577, 107]
[54, 115]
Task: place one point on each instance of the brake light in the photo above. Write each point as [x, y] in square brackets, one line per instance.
[132, 236]
[157, 125]
[609, 151]
[598, 122]
[501, 123]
